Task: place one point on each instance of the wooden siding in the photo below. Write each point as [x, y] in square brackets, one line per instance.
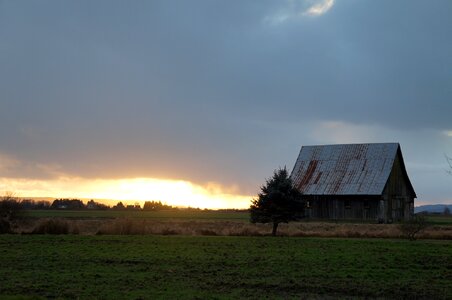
[399, 200]
[344, 207]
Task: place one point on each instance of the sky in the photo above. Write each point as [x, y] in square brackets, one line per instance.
[198, 102]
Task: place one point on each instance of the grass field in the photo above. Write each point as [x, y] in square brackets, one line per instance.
[161, 215]
[180, 215]
[168, 267]
[184, 222]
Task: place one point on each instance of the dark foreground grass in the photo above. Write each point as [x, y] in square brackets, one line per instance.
[169, 267]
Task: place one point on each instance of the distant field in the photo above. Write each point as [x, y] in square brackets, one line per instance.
[181, 215]
[170, 267]
[162, 215]
[439, 220]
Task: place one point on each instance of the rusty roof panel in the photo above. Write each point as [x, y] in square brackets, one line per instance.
[349, 169]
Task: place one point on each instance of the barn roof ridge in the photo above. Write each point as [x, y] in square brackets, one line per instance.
[351, 144]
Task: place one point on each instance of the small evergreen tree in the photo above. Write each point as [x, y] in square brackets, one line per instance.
[278, 202]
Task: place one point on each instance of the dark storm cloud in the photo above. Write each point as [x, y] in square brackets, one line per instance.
[205, 90]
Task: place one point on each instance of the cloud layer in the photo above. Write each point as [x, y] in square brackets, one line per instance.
[220, 91]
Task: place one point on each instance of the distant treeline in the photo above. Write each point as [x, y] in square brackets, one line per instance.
[77, 204]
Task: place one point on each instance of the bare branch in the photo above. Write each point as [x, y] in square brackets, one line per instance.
[449, 162]
[8, 196]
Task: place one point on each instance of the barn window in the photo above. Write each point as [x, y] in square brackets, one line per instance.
[347, 204]
[308, 204]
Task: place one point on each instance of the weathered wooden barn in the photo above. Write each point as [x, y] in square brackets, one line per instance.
[354, 181]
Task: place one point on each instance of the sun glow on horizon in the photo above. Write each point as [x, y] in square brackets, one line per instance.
[172, 192]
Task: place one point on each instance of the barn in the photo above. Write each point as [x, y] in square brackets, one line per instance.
[354, 181]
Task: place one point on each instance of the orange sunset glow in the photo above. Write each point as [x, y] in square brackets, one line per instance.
[172, 192]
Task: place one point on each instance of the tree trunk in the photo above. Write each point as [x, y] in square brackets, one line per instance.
[275, 227]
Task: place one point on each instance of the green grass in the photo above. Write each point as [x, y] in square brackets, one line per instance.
[161, 215]
[169, 267]
[439, 220]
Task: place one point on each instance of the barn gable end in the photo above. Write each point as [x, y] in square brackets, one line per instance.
[398, 193]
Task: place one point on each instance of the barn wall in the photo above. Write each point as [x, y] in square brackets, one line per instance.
[343, 207]
[399, 200]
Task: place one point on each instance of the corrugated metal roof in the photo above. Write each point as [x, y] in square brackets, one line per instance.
[349, 169]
